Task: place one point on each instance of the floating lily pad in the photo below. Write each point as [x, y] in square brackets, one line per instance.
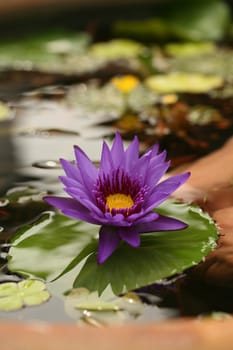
[56, 244]
[195, 21]
[46, 52]
[50, 245]
[181, 82]
[117, 48]
[23, 194]
[91, 98]
[220, 63]
[189, 48]
[14, 296]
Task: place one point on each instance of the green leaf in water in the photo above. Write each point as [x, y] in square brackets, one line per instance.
[160, 255]
[57, 244]
[197, 20]
[23, 194]
[182, 82]
[117, 48]
[189, 48]
[220, 63]
[14, 296]
[50, 245]
[83, 305]
[47, 52]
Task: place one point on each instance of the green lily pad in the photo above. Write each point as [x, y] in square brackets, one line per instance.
[23, 194]
[197, 21]
[14, 296]
[182, 82]
[46, 52]
[50, 245]
[220, 63]
[56, 244]
[189, 48]
[117, 48]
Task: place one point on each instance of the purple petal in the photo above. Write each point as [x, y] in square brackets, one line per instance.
[108, 242]
[157, 171]
[71, 170]
[116, 220]
[163, 190]
[87, 169]
[72, 208]
[132, 154]
[163, 223]
[130, 235]
[82, 198]
[141, 167]
[149, 217]
[155, 150]
[69, 182]
[117, 151]
[106, 162]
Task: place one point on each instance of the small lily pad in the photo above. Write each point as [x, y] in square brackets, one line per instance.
[189, 48]
[117, 48]
[14, 296]
[182, 82]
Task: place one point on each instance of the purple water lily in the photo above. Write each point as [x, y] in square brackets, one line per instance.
[120, 195]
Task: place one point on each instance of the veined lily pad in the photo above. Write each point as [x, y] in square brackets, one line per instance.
[14, 296]
[56, 244]
[181, 82]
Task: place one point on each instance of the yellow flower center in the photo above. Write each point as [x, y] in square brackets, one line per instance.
[119, 201]
[126, 83]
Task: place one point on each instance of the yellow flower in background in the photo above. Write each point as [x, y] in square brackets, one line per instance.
[125, 83]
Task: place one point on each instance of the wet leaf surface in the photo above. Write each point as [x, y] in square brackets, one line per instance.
[56, 244]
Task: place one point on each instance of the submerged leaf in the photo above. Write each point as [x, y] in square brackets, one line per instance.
[83, 305]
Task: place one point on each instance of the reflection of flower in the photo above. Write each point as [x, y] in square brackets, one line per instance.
[120, 195]
[125, 83]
